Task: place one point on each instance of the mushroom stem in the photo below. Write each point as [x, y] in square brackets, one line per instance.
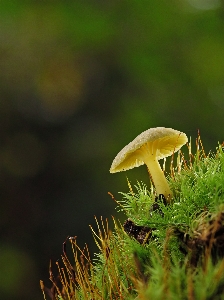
[158, 178]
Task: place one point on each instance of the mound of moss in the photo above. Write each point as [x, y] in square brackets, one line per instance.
[162, 251]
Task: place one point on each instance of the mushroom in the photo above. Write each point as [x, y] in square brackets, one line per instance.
[147, 148]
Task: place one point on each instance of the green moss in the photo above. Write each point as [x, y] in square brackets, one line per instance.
[174, 251]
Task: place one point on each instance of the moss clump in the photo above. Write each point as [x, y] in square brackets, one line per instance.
[162, 251]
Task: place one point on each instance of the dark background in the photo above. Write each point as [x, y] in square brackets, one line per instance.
[78, 81]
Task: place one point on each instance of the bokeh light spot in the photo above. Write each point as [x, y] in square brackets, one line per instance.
[16, 267]
[59, 88]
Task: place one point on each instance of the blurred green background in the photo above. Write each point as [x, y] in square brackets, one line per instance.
[78, 81]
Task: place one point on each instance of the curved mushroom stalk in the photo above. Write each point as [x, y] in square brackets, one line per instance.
[158, 177]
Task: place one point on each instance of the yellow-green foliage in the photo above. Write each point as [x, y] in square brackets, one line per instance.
[181, 256]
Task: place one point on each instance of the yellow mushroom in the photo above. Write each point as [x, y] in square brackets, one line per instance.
[147, 148]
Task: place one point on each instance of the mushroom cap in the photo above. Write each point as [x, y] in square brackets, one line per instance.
[160, 141]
